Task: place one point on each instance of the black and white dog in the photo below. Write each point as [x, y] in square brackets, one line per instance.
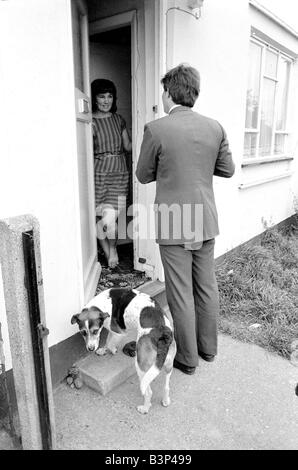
[122, 309]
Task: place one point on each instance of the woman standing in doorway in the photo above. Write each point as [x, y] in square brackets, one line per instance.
[110, 141]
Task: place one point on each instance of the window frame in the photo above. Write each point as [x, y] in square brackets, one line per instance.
[272, 156]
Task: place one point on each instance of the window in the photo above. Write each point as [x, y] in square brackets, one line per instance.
[266, 102]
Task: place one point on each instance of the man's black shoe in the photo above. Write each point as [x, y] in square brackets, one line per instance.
[207, 357]
[186, 369]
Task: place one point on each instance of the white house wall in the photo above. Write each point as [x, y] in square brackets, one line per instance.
[38, 158]
[217, 45]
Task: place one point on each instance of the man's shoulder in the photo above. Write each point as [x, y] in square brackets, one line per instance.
[157, 122]
[167, 122]
[210, 124]
[207, 119]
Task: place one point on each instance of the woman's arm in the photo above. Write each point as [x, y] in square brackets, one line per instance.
[126, 141]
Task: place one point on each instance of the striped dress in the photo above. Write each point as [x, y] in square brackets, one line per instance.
[110, 171]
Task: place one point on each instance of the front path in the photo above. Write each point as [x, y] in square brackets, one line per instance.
[244, 400]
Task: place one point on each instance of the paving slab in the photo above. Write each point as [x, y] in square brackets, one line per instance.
[244, 400]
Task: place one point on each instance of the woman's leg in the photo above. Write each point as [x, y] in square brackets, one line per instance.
[109, 221]
[102, 237]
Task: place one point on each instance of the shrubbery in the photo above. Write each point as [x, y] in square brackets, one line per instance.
[258, 287]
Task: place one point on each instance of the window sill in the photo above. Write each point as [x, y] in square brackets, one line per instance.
[251, 184]
[262, 160]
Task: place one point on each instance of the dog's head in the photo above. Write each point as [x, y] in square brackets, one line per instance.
[90, 322]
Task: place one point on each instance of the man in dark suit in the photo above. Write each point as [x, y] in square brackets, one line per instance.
[182, 152]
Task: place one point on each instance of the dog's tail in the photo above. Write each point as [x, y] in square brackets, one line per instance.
[161, 338]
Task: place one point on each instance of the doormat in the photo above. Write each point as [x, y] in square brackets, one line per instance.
[123, 275]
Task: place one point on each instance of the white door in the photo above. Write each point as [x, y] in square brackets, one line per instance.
[90, 265]
[147, 250]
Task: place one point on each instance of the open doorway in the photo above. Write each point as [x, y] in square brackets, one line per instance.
[110, 58]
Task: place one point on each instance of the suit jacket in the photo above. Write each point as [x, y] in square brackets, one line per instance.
[182, 152]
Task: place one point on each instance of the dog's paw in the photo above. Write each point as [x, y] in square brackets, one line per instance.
[143, 409]
[101, 351]
[165, 402]
[113, 350]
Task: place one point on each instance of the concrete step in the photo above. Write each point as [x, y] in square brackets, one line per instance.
[104, 373]
[156, 290]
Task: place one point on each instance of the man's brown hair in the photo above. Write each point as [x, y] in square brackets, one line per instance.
[183, 84]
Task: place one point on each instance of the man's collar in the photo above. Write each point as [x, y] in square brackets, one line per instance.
[178, 108]
[173, 107]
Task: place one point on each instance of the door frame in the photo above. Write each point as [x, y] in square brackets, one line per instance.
[148, 64]
[120, 20]
[88, 285]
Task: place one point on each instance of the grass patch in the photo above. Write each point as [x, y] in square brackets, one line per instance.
[258, 288]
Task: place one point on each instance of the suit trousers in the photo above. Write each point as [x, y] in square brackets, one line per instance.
[193, 299]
